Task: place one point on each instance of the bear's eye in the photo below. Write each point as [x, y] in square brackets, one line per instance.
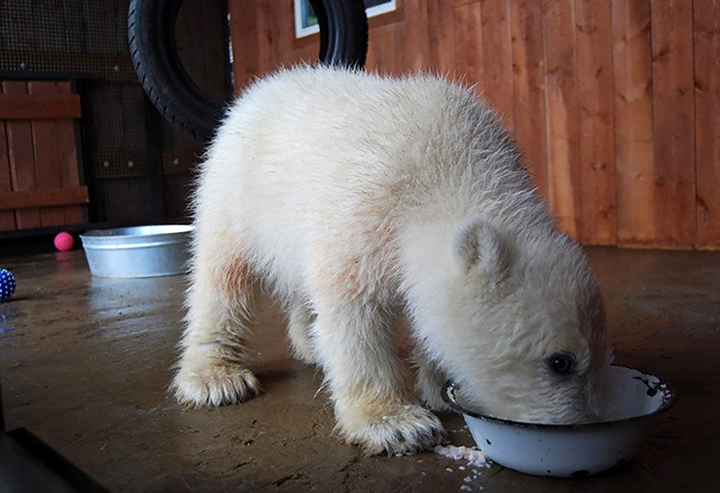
[562, 363]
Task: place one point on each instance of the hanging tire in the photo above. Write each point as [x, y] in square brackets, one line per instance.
[151, 35]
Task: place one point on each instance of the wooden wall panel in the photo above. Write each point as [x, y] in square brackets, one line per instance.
[283, 22]
[594, 49]
[469, 45]
[707, 120]
[497, 58]
[673, 123]
[562, 115]
[383, 52]
[634, 172]
[441, 35]
[616, 105]
[414, 36]
[268, 35]
[528, 59]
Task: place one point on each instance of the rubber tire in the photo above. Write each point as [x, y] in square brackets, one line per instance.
[151, 36]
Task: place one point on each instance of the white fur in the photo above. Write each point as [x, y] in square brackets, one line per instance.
[356, 197]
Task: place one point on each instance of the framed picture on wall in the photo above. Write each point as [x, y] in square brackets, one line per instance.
[306, 22]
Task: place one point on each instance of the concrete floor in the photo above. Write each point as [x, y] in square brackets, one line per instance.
[85, 364]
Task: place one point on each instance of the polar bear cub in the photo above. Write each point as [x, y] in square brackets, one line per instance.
[357, 198]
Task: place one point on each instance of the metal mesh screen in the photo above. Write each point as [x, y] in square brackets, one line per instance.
[137, 166]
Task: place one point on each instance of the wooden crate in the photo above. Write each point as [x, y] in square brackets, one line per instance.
[39, 176]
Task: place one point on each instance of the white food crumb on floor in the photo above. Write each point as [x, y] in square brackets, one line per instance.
[406, 454]
[472, 455]
[465, 488]
[448, 469]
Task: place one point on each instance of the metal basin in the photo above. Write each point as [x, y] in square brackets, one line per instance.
[141, 251]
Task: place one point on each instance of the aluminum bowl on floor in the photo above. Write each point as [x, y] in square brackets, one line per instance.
[140, 251]
[629, 398]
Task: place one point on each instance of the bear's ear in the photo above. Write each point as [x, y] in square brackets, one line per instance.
[479, 248]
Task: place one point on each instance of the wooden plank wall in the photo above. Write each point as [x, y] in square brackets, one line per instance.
[39, 176]
[615, 104]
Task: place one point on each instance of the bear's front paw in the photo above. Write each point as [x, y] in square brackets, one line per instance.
[404, 429]
[214, 386]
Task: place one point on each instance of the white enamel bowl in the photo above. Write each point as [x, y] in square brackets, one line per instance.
[629, 398]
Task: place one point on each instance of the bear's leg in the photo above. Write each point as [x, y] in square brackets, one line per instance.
[430, 380]
[212, 369]
[356, 345]
[300, 318]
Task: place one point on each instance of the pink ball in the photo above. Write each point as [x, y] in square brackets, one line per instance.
[64, 241]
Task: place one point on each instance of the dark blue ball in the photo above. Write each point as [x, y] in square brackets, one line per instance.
[7, 285]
